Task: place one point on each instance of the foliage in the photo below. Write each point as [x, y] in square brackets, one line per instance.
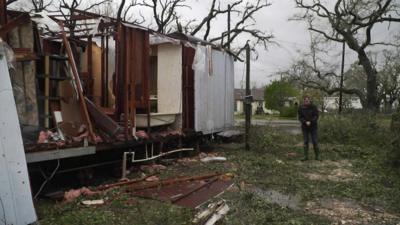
[358, 128]
[350, 22]
[277, 93]
[360, 138]
[289, 111]
[395, 148]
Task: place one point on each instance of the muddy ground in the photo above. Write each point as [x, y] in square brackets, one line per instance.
[272, 186]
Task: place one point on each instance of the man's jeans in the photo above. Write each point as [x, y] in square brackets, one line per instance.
[313, 132]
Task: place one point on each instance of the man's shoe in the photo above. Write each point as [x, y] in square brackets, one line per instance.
[316, 151]
[305, 153]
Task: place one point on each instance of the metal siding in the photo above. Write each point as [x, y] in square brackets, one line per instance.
[15, 194]
[214, 94]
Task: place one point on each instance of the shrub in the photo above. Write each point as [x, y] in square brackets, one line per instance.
[355, 128]
[289, 112]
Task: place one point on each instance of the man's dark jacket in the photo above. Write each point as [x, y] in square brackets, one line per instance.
[308, 113]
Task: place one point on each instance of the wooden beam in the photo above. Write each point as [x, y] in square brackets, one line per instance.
[20, 20]
[3, 12]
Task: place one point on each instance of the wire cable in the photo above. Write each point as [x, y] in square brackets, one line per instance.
[47, 179]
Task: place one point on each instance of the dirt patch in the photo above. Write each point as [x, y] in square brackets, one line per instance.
[349, 212]
[327, 170]
[273, 196]
[336, 175]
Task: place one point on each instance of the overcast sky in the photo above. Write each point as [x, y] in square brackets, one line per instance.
[292, 37]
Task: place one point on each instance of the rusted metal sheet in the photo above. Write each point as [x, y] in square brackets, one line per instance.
[187, 191]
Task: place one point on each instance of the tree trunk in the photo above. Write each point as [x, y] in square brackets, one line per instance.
[372, 84]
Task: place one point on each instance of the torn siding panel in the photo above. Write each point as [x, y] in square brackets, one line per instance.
[169, 82]
[15, 194]
[214, 104]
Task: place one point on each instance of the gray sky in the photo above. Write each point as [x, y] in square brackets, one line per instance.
[292, 37]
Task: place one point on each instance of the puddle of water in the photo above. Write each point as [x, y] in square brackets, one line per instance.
[283, 200]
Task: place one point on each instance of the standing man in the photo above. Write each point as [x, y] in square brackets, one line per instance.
[308, 117]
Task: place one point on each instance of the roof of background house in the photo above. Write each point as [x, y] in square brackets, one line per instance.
[258, 94]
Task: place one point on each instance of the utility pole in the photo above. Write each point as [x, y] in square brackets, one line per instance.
[229, 27]
[248, 98]
[341, 79]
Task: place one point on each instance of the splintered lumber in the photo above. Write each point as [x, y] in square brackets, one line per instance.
[78, 85]
[102, 121]
[123, 183]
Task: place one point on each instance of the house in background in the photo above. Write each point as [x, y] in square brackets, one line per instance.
[258, 105]
[332, 103]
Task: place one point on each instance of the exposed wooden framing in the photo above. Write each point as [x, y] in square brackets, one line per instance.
[24, 54]
[146, 83]
[130, 75]
[7, 27]
[46, 91]
[3, 12]
[103, 78]
[105, 94]
[90, 68]
[78, 85]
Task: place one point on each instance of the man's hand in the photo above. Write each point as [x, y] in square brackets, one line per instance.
[308, 123]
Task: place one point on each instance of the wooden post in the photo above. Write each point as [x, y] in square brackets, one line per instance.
[341, 79]
[248, 98]
[3, 12]
[46, 91]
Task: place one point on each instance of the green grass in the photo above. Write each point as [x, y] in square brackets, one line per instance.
[266, 117]
[272, 164]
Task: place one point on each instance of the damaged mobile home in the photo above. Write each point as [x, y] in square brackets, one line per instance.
[89, 89]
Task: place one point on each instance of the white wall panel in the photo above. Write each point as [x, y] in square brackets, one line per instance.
[16, 206]
[169, 80]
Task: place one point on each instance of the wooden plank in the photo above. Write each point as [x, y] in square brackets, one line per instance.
[78, 85]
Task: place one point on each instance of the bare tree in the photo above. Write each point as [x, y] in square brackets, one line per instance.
[40, 5]
[214, 11]
[314, 71]
[164, 12]
[71, 7]
[389, 79]
[245, 25]
[352, 22]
